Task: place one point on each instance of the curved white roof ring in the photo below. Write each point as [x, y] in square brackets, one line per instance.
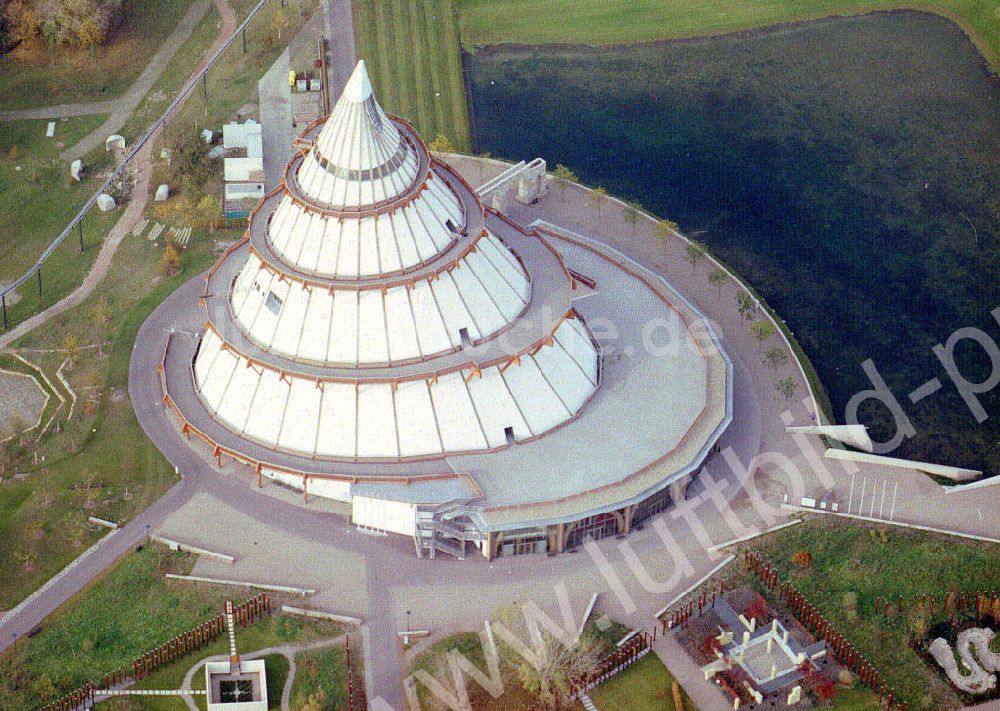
[359, 156]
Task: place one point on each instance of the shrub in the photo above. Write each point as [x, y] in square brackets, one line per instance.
[802, 558]
[170, 262]
[756, 609]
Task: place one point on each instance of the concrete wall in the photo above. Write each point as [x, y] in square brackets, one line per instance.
[392, 516]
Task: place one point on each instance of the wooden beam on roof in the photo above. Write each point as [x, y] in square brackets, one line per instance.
[516, 359]
[473, 373]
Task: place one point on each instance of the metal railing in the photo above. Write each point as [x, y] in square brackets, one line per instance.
[77, 221]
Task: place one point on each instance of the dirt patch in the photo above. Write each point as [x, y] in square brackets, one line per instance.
[11, 298]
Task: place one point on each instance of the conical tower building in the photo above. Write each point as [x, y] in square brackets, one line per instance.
[380, 338]
[370, 290]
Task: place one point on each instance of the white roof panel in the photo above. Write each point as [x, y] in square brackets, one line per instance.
[268, 409]
[539, 403]
[496, 408]
[372, 344]
[418, 432]
[344, 328]
[301, 416]
[402, 334]
[338, 420]
[376, 421]
[456, 415]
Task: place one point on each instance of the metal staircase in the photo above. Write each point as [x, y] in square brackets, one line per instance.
[445, 528]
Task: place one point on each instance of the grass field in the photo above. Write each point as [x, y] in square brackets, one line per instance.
[32, 76]
[100, 462]
[323, 673]
[413, 52]
[866, 562]
[38, 197]
[625, 21]
[127, 611]
[645, 686]
[435, 662]
[42, 194]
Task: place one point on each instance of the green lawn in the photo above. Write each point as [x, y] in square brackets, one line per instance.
[43, 196]
[101, 463]
[127, 611]
[32, 76]
[624, 21]
[38, 197]
[323, 672]
[434, 661]
[413, 52]
[644, 686]
[867, 562]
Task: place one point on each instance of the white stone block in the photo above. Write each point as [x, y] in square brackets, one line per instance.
[114, 142]
[795, 696]
[162, 193]
[76, 169]
[106, 203]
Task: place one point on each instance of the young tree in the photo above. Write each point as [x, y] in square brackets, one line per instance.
[598, 196]
[314, 702]
[441, 143]
[208, 209]
[170, 262]
[102, 321]
[775, 357]
[717, 278]
[564, 176]
[694, 252]
[279, 22]
[630, 214]
[71, 347]
[665, 229]
[762, 329]
[746, 305]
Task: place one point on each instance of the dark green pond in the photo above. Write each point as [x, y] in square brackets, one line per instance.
[849, 168]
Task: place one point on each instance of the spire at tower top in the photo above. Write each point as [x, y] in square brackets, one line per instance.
[359, 86]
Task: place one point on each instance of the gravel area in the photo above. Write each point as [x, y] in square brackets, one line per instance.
[20, 397]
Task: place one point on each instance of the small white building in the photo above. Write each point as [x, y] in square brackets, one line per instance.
[245, 152]
[236, 685]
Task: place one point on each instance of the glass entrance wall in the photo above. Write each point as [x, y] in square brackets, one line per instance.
[532, 540]
[657, 503]
[592, 528]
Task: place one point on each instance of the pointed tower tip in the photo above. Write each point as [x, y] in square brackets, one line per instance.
[358, 87]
